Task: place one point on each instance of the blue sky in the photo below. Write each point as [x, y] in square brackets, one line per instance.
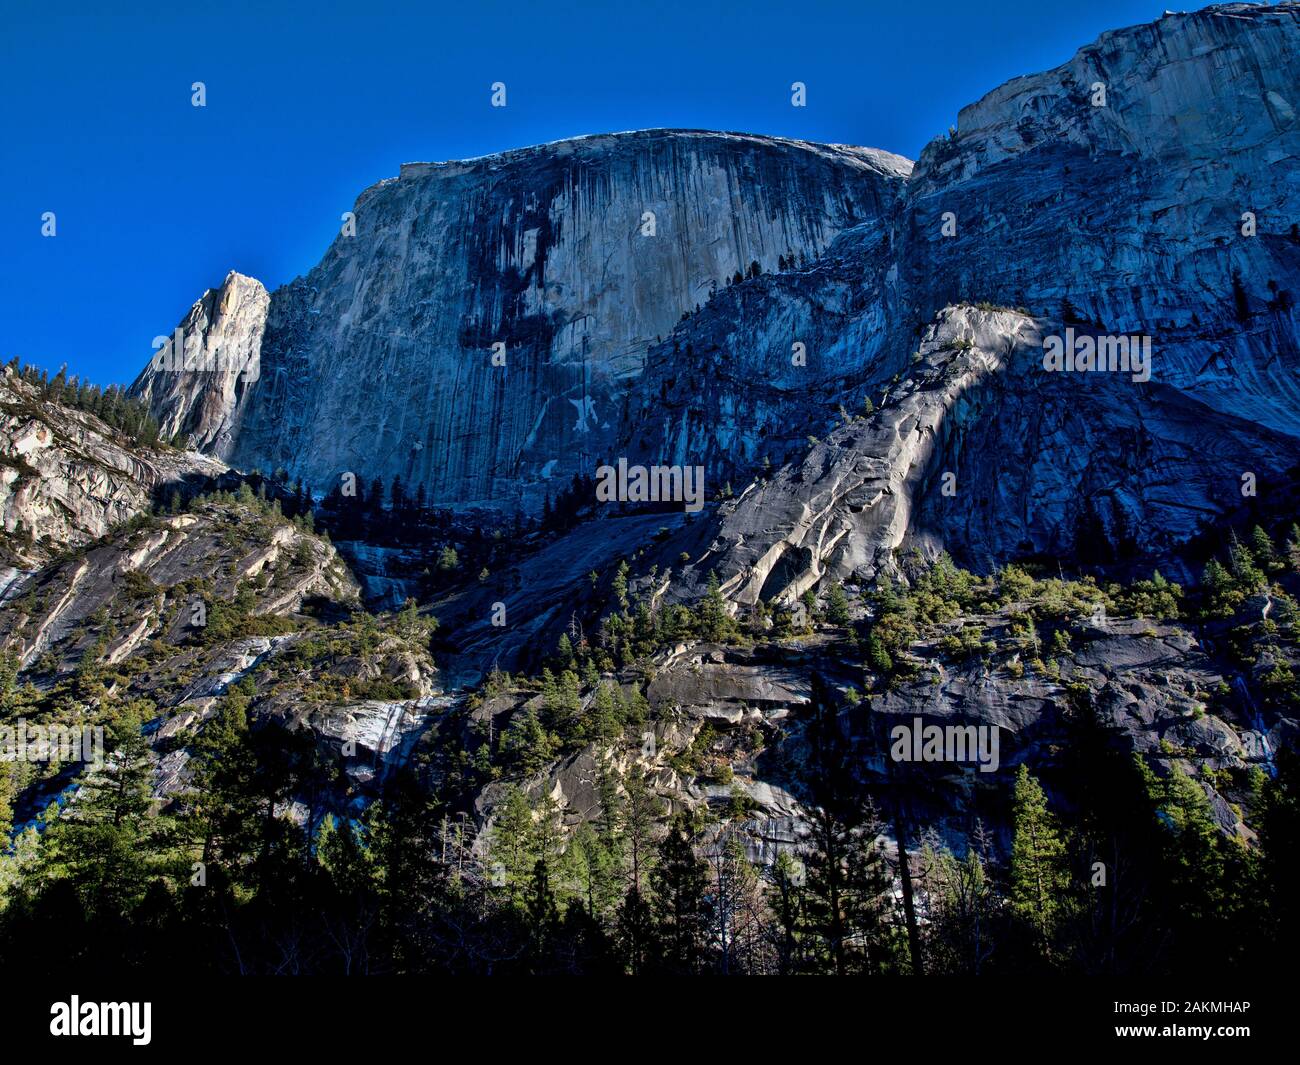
[309, 103]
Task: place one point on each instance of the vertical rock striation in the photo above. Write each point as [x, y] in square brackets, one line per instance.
[577, 256]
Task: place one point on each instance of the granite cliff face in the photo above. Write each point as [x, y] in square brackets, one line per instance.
[978, 450]
[576, 256]
[203, 374]
[1145, 188]
[1149, 186]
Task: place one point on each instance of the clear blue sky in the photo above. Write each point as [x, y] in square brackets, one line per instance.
[308, 103]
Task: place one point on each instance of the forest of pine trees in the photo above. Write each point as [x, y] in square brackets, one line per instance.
[110, 405]
[1124, 873]
[1104, 861]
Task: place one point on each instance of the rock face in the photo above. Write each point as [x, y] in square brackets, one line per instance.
[1167, 206]
[576, 256]
[850, 500]
[1166, 217]
[149, 580]
[67, 478]
[1149, 681]
[980, 450]
[1145, 188]
[200, 379]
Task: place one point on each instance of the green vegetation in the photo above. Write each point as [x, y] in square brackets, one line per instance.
[111, 405]
[273, 858]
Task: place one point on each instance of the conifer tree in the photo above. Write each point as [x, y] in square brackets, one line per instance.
[6, 802]
[635, 933]
[715, 623]
[679, 880]
[961, 908]
[640, 809]
[846, 882]
[785, 899]
[1262, 548]
[543, 913]
[837, 605]
[106, 841]
[619, 586]
[512, 844]
[1039, 876]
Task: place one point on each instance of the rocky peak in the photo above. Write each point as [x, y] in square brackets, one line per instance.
[200, 377]
[576, 257]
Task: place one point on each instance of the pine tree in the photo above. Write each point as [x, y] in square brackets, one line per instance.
[619, 586]
[417, 854]
[409, 623]
[736, 902]
[837, 605]
[608, 828]
[1262, 548]
[595, 868]
[528, 742]
[1249, 577]
[347, 894]
[961, 909]
[846, 892]
[785, 900]
[1207, 890]
[564, 649]
[679, 880]
[639, 812]
[7, 792]
[9, 668]
[635, 932]
[565, 703]
[1220, 595]
[878, 658]
[511, 847]
[1039, 877]
[543, 914]
[845, 883]
[107, 841]
[715, 623]
[603, 720]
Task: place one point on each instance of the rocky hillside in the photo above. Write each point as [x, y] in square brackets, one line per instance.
[155, 578]
[171, 611]
[723, 724]
[68, 477]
